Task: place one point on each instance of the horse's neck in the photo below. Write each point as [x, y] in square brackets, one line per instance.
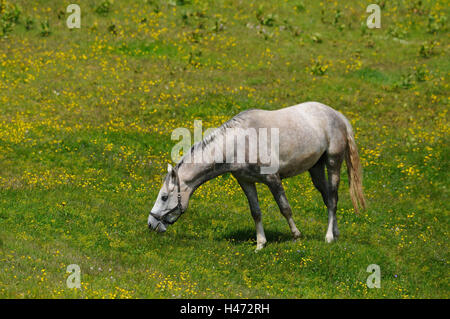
[195, 174]
[200, 165]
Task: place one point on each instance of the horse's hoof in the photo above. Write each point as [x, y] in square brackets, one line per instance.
[329, 239]
[259, 247]
[297, 236]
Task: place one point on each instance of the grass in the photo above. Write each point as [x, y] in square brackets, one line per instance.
[85, 125]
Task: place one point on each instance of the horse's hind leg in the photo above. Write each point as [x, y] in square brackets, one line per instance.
[333, 163]
[319, 179]
[252, 196]
[276, 187]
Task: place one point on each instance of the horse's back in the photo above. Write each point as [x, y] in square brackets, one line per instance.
[306, 132]
[315, 113]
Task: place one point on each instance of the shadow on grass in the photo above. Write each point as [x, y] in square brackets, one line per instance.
[248, 234]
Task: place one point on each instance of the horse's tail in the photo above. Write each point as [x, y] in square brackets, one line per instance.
[354, 171]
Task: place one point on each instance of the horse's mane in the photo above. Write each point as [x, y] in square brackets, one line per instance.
[231, 123]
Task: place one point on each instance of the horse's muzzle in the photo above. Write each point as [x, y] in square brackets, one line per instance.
[156, 225]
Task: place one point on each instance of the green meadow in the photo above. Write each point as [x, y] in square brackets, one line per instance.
[86, 117]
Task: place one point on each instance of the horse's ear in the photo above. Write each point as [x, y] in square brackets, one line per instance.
[169, 169]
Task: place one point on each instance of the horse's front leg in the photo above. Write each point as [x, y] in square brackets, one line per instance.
[252, 196]
[276, 187]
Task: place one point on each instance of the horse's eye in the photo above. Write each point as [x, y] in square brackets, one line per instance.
[164, 198]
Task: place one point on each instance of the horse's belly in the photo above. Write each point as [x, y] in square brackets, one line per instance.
[296, 166]
[299, 156]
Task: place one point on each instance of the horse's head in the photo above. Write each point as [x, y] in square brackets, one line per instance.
[168, 206]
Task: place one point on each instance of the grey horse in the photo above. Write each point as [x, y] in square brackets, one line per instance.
[311, 136]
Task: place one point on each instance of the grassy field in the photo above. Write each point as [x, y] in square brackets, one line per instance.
[86, 117]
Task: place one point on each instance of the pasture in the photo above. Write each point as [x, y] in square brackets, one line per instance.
[86, 117]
